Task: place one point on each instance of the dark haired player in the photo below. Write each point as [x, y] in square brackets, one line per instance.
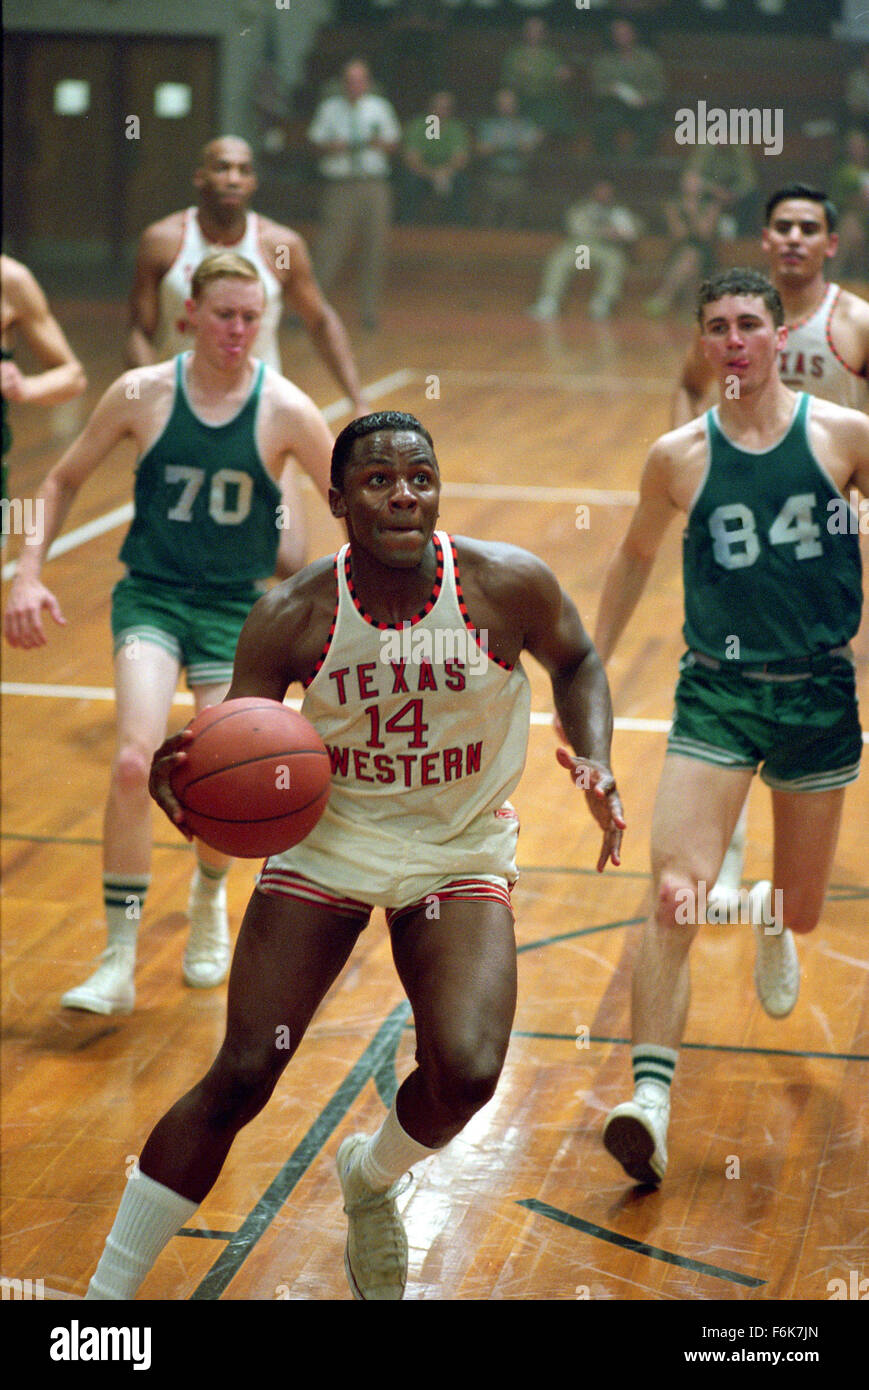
[424, 754]
[826, 351]
[763, 479]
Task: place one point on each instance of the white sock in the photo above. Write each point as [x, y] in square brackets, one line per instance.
[390, 1153]
[124, 898]
[148, 1217]
[207, 882]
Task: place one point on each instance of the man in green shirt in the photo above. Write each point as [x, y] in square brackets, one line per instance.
[435, 153]
[628, 83]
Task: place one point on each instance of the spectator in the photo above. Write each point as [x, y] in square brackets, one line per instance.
[849, 190]
[628, 85]
[692, 220]
[355, 132]
[602, 230]
[728, 172]
[506, 142]
[538, 75]
[435, 154]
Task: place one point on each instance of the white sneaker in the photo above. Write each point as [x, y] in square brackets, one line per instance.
[635, 1133]
[208, 953]
[375, 1257]
[776, 965]
[110, 990]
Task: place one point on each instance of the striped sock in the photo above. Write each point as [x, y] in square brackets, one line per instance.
[653, 1064]
[124, 899]
[207, 880]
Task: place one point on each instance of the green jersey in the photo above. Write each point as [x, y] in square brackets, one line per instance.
[771, 555]
[205, 508]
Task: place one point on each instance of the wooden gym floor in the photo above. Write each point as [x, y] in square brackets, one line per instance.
[765, 1197]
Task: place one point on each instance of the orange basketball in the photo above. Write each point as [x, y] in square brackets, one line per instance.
[256, 778]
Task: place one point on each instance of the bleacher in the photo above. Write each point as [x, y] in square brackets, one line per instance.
[803, 75]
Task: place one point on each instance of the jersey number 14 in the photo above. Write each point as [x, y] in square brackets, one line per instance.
[735, 542]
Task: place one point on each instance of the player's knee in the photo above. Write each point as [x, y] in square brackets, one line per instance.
[463, 1078]
[677, 902]
[240, 1084]
[132, 769]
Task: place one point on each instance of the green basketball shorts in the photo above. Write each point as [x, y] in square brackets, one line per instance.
[198, 627]
[804, 730]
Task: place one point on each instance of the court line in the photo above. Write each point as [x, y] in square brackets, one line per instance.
[90, 529]
[538, 719]
[701, 1047]
[256, 1223]
[639, 1247]
[543, 381]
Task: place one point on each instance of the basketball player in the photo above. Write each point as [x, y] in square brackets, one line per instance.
[425, 750]
[213, 429]
[169, 252]
[25, 313]
[772, 579]
[826, 351]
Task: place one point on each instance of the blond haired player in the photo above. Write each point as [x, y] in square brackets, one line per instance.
[213, 429]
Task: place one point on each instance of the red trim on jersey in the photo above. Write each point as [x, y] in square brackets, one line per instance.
[417, 617]
[828, 333]
[463, 609]
[327, 644]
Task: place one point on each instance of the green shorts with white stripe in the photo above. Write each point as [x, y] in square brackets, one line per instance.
[199, 627]
[803, 733]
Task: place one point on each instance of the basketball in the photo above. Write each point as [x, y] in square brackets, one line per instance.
[256, 778]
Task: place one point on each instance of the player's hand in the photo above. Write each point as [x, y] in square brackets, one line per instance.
[13, 383]
[22, 621]
[603, 800]
[169, 756]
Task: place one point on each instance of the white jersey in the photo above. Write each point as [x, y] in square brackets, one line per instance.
[809, 361]
[173, 333]
[427, 735]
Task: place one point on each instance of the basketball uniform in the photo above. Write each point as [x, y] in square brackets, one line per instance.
[427, 735]
[809, 361]
[773, 595]
[204, 536]
[173, 331]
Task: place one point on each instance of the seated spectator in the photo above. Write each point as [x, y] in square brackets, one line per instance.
[628, 85]
[692, 221]
[728, 172]
[505, 142]
[435, 153]
[538, 75]
[849, 190]
[598, 233]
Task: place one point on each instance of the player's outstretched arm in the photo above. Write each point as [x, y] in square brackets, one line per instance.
[29, 597]
[63, 376]
[554, 634]
[632, 563]
[304, 297]
[694, 385]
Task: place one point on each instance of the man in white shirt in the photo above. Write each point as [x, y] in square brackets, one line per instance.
[355, 132]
